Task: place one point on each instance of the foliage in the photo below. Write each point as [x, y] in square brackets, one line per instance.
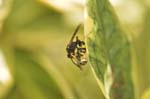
[33, 39]
[109, 51]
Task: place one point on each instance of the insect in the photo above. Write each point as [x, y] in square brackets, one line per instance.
[76, 50]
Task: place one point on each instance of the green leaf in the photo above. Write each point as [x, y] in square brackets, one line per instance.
[31, 34]
[14, 93]
[28, 28]
[32, 80]
[30, 24]
[109, 51]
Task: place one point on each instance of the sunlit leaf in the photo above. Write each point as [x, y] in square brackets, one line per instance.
[109, 51]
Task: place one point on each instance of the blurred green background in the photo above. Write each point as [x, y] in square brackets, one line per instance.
[33, 39]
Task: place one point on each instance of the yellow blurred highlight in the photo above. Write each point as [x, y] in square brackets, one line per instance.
[65, 5]
[5, 6]
[71, 9]
[116, 2]
[1, 3]
[4, 73]
[5, 77]
[146, 94]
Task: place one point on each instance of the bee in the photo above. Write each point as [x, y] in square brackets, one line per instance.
[76, 50]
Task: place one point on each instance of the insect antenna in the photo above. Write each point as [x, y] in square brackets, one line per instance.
[75, 32]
